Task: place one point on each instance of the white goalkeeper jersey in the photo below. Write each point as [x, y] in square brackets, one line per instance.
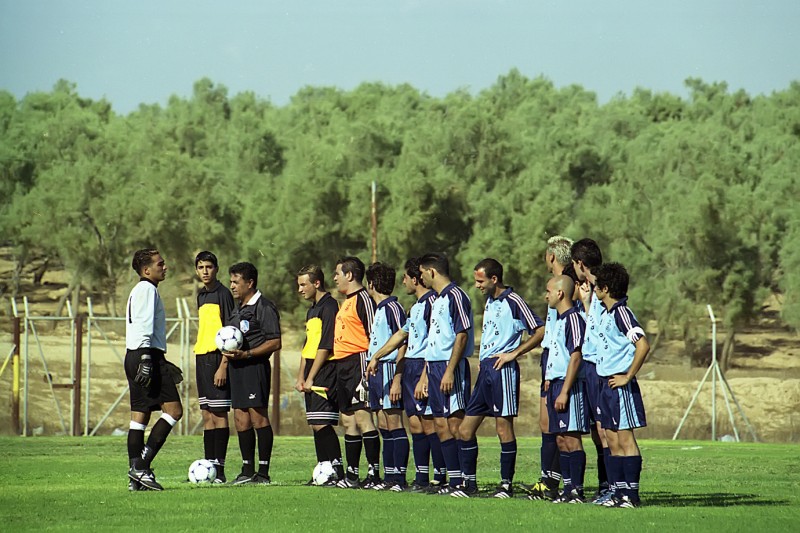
[145, 319]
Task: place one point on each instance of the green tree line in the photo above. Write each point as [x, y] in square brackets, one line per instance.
[697, 196]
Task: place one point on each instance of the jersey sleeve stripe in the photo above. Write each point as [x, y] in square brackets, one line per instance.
[458, 297]
[531, 320]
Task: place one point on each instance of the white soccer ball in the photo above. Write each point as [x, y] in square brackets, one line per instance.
[323, 473]
[229, 338]
[202, 471]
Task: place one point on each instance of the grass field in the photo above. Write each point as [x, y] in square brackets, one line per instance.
[62, 483]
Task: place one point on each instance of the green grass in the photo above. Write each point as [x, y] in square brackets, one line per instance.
[62, 483]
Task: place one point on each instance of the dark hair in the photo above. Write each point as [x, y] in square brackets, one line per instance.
[614, 277]
[587, 251]
[569, 270]
[492, 268]
[206, 256]
[143, 258]
[248, 272]
[382, 277]
[352, 265]
[412, 270]
[437, 262]
[314, 273]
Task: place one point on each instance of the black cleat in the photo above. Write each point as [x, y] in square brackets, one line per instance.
[145, 478]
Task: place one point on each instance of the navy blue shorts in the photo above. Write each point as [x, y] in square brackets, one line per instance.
[621, 408]
[592, 390]
[379, 386]
[446, 405]
[496, 392]
[412, 371]
[576, 417]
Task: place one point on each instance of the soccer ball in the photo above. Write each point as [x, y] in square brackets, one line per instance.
[229, 338]
[323, 473]
[202, 471]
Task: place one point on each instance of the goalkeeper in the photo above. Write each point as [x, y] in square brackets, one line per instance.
[151, 378]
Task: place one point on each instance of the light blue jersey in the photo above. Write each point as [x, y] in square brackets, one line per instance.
[592, 318]
[451, 314]
[618, 333]
[504, 320]
[417, 326]
[566, 337]
[389, 317]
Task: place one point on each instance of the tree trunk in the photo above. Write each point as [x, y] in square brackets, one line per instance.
[727, 349]
[74, 283]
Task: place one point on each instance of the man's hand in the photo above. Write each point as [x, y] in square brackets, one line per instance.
[447, 382]
[547, 385]
[307, 384]
[144, 373]
[396, 390]
[372, 367]
[220, 377]
[562, 402]
[237, 354]
[421, 390]
[618, 380]
[501, 359]
[300, 385]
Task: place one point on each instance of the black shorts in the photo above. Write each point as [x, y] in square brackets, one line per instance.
[349, 376]
[321, 411]
[212, 398]
[250, 381]
[162, 387]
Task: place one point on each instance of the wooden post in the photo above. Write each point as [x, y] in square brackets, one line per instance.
[15, 379]
[76, 384]
[374, 223]
[276, 393]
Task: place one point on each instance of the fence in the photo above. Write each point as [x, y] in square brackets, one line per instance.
[90, 336]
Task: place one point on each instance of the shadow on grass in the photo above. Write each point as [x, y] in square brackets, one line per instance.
[714, 499]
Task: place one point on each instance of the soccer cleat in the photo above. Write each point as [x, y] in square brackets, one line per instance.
[538, 492]
[332, 482]
[603, 497]
[260, 479]
[242, 479]
[397, 487]
[371, 482]
[463, 491]
[134, 486]
[445, 490]
[417, 488]
[625, 502]
[503, 491]
[575, 496]
[347, 483]
[378, 485]
[145, 478]
[219, 479]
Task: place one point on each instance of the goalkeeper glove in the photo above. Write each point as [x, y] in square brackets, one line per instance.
[144, 372]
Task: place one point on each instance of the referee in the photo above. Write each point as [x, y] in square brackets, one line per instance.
[250, 372]
[151, 378]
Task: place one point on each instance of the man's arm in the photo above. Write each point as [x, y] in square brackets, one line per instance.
[456, 355]
[319, 360]
[299, 384]
[639, 356]
[530, 343]
[562, 402]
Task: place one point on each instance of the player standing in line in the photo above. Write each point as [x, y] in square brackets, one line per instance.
[322, 412]
[214, 308]
[558, 261]
[567, 409]
[586, 259]
[414, 332]
[505, 317]
[622, 349]
[150, 376]
[250, 372]
[350, 345]
[450, 342]
[384, 375]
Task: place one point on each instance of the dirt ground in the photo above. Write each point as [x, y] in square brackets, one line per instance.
[765, 378]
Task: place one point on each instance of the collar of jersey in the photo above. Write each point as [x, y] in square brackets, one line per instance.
[572, 309]
[622, 301]
[430, 294]
[254, 298]
[387, 301]
[450, 287]
[503, 295]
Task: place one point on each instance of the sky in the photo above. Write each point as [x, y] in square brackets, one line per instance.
[143, 51]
